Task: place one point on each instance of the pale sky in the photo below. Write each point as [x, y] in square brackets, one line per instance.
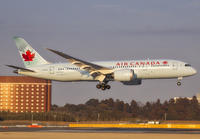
[98, 30]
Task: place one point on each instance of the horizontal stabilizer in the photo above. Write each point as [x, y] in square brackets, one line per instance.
[23, 69]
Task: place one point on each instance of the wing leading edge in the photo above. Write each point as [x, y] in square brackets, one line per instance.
[96, 71]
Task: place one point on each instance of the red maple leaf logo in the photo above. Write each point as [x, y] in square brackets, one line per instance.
[28, 56]
[165, 62]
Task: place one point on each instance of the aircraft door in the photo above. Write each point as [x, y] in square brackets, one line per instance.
[51, 70]
[175, 66]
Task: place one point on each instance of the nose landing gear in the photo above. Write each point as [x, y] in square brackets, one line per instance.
[179, 79]
[103, 86]
[178, 83]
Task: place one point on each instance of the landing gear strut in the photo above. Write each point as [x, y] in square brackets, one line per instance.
[103, 86]
[179, 79]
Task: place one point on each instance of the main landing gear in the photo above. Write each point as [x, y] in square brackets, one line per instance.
[103, 86]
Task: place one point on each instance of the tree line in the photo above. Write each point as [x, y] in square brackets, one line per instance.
[115, 110]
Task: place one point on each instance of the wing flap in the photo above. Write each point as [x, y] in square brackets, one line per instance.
[96, 71]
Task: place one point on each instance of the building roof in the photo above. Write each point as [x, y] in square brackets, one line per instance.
[20, 79]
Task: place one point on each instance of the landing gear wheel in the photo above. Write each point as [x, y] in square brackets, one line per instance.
[103, 88]
[98, 86]
[178, 83]
[103, 84]
[108, 87]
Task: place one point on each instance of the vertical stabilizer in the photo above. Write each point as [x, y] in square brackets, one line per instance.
[29, 56]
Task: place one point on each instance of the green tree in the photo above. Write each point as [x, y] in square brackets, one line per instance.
[92, 102]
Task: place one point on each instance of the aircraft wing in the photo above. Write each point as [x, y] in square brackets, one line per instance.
[98, 72]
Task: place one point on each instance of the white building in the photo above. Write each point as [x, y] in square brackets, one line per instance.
[189, 98]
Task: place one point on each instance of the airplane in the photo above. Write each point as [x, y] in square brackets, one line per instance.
[128, 72]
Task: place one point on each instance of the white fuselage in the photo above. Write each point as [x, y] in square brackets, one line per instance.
[143, 69]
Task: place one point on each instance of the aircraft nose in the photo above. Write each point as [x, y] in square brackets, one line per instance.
[194, 71]
[190, 71]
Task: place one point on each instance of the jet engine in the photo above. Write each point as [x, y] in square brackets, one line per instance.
[123, 75]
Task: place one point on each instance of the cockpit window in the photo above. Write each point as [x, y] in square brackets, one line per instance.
[187, 65]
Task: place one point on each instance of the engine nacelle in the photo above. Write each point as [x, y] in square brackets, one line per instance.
[134, 82]
[123, 75]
